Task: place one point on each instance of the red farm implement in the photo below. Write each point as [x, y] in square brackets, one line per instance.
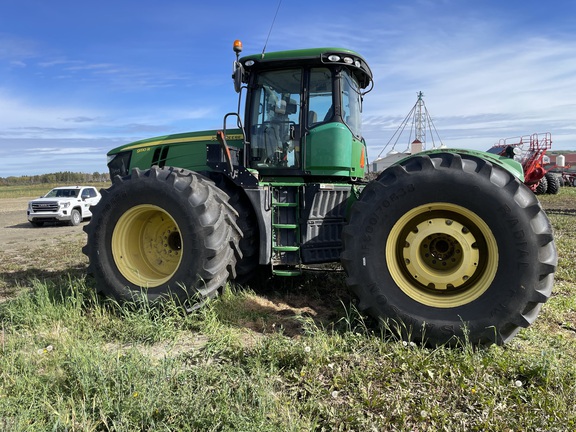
[530, 150]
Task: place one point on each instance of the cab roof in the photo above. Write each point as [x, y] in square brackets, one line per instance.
[312, 56]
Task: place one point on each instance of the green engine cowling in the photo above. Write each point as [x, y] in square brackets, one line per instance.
[185, 150]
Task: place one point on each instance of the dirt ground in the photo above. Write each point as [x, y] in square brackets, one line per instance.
[27, 252]
[17, 232]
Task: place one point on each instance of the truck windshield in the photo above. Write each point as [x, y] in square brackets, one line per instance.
[275, 118]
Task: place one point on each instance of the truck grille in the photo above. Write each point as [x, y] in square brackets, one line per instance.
[45, 207]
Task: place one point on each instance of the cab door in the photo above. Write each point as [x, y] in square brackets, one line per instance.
[274, 123]
[334, 146]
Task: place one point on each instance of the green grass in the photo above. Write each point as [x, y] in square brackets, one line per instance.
[72, 361]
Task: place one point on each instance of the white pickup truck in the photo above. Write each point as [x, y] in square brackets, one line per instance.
[63, 204]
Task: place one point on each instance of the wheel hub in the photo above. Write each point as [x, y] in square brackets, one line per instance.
[442, 255]
[147, 246]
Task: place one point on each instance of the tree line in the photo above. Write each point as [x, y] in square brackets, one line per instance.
[58, 177]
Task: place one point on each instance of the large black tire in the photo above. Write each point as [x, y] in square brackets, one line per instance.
[553, 183]
[542, 186]
[247, 264]
[447, 247]
[159, 232]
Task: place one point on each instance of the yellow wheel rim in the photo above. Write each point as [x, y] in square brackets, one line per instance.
[147, 246]
[442, 255]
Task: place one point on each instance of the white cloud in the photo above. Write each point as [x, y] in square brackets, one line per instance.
[16, 49]
[44, 151]
[485, 92]
[39, 123]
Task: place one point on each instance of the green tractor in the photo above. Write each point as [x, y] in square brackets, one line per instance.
[445, 244]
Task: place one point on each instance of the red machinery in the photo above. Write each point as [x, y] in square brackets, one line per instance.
[529, 150]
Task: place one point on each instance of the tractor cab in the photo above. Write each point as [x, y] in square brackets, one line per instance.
[303, 112]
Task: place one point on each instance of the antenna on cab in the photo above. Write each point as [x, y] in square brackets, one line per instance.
[270, 31]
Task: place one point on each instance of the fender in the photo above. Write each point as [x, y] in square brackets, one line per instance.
[512, 166]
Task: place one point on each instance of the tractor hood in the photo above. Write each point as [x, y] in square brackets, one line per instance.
[184, 150]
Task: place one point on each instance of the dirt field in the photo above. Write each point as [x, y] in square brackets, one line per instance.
[27, 252]
[16, 231]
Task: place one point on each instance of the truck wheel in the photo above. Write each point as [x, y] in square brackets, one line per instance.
[164, 231]
[447, 245]
[75, 217]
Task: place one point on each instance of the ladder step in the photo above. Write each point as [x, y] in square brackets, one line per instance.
[286, 248]
[287, 272]
[285, 226]
[285, 207]
[281, 204]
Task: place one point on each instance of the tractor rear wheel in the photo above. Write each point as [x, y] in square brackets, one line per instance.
[448, 247]
[164, 231]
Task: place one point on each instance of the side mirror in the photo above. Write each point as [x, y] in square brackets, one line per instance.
[238, 76]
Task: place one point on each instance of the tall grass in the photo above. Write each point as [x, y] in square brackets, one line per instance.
[71, 361]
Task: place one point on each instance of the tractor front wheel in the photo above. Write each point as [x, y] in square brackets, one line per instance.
[160, 232]
[448, 246]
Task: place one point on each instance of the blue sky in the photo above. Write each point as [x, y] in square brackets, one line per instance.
[80, 77]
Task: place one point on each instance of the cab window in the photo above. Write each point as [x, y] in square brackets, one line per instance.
[275, 119]
[351, 103]
[321, 102]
